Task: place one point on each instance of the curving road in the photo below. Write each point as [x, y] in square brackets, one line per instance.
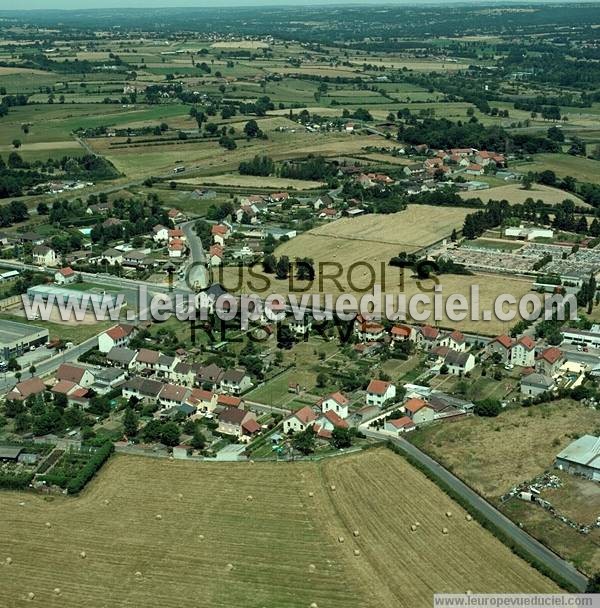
[519, 536]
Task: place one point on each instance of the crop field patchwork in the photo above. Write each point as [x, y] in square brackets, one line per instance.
[233, 535]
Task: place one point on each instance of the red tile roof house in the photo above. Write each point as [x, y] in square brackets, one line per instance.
[501, 345]
[455, 341]
[549, 361]
[230, 401]
[146, 359]
[74, 373]
[522, 352]
[379, 392]
[299, 420]
[119, 335]
[400, 333]
[399, 425]
[220, 234]
[239, 423]
[427, 337]
[326, 423]
[368, 331]
[64, 276]
[70, 389]
[336, 402]
[204, 401]
[419, 411]
[25, 389]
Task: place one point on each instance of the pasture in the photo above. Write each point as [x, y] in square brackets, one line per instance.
[582, 169]
[252, 181]
[494, 454]
[280, 548]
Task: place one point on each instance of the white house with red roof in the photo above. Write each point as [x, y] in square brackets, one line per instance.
[176, 248]
[419, 411]
[379, 392]
[220, 233]
[160, 234]
[401, 333]
[336, 402]
[454, 341]
[216, 255]
[326, 423]
[399, 425]
[427, 337]
[523, 352]
[367, 330]
[64, 276]
[300, 420]
[119, 335]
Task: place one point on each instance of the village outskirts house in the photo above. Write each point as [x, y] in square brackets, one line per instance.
[367, 330]
[536, 384]
[116, 336]
[44, 256]
[239, 423]
[549, 361]
[501, 345]
[336, 402]
[459, 363]
[75, 373]
[300, 420]
[380, 392]
[397, 426]
[522, 352]
[235, 381]
[419, 411]
[427, 337]
[65, 276]
[454, 341]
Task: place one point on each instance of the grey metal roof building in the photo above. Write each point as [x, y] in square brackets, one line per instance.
[581, 457]
[16, 338]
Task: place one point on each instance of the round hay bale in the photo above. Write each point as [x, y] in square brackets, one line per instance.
[468, 592]
[31, 596]
[448, 513]
[356, 552]
[311, 494]
[180, 496]
[229, 567]
[251, 461]
[83, 555]
[413, 528]
[340, 539]
[356, 533]
[200, 536]
[312, 568]
[444, 530]
[332, 487]
[469, 518]
[314, 605]
[171, 458]
[8, 561]
[250, 497]
[159, 516]
[138, 574]
[21, 504]
[57, 591]
[48, 524]
[417, 524]
[106, 501]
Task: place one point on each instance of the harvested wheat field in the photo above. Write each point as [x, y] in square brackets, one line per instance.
[516, 195]
[415, 227]
[157, 533]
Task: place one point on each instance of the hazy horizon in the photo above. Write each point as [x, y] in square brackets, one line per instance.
[156, 4]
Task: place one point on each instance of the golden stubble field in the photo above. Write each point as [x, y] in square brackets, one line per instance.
[352, 255]
[280, 549]
[514, 194]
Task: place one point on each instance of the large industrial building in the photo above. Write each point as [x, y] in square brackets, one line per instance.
[61, 295]
[17, 338]
[582, 457]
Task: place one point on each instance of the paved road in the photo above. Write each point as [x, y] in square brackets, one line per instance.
[46, 367]
[519, 536]
[198, 274]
